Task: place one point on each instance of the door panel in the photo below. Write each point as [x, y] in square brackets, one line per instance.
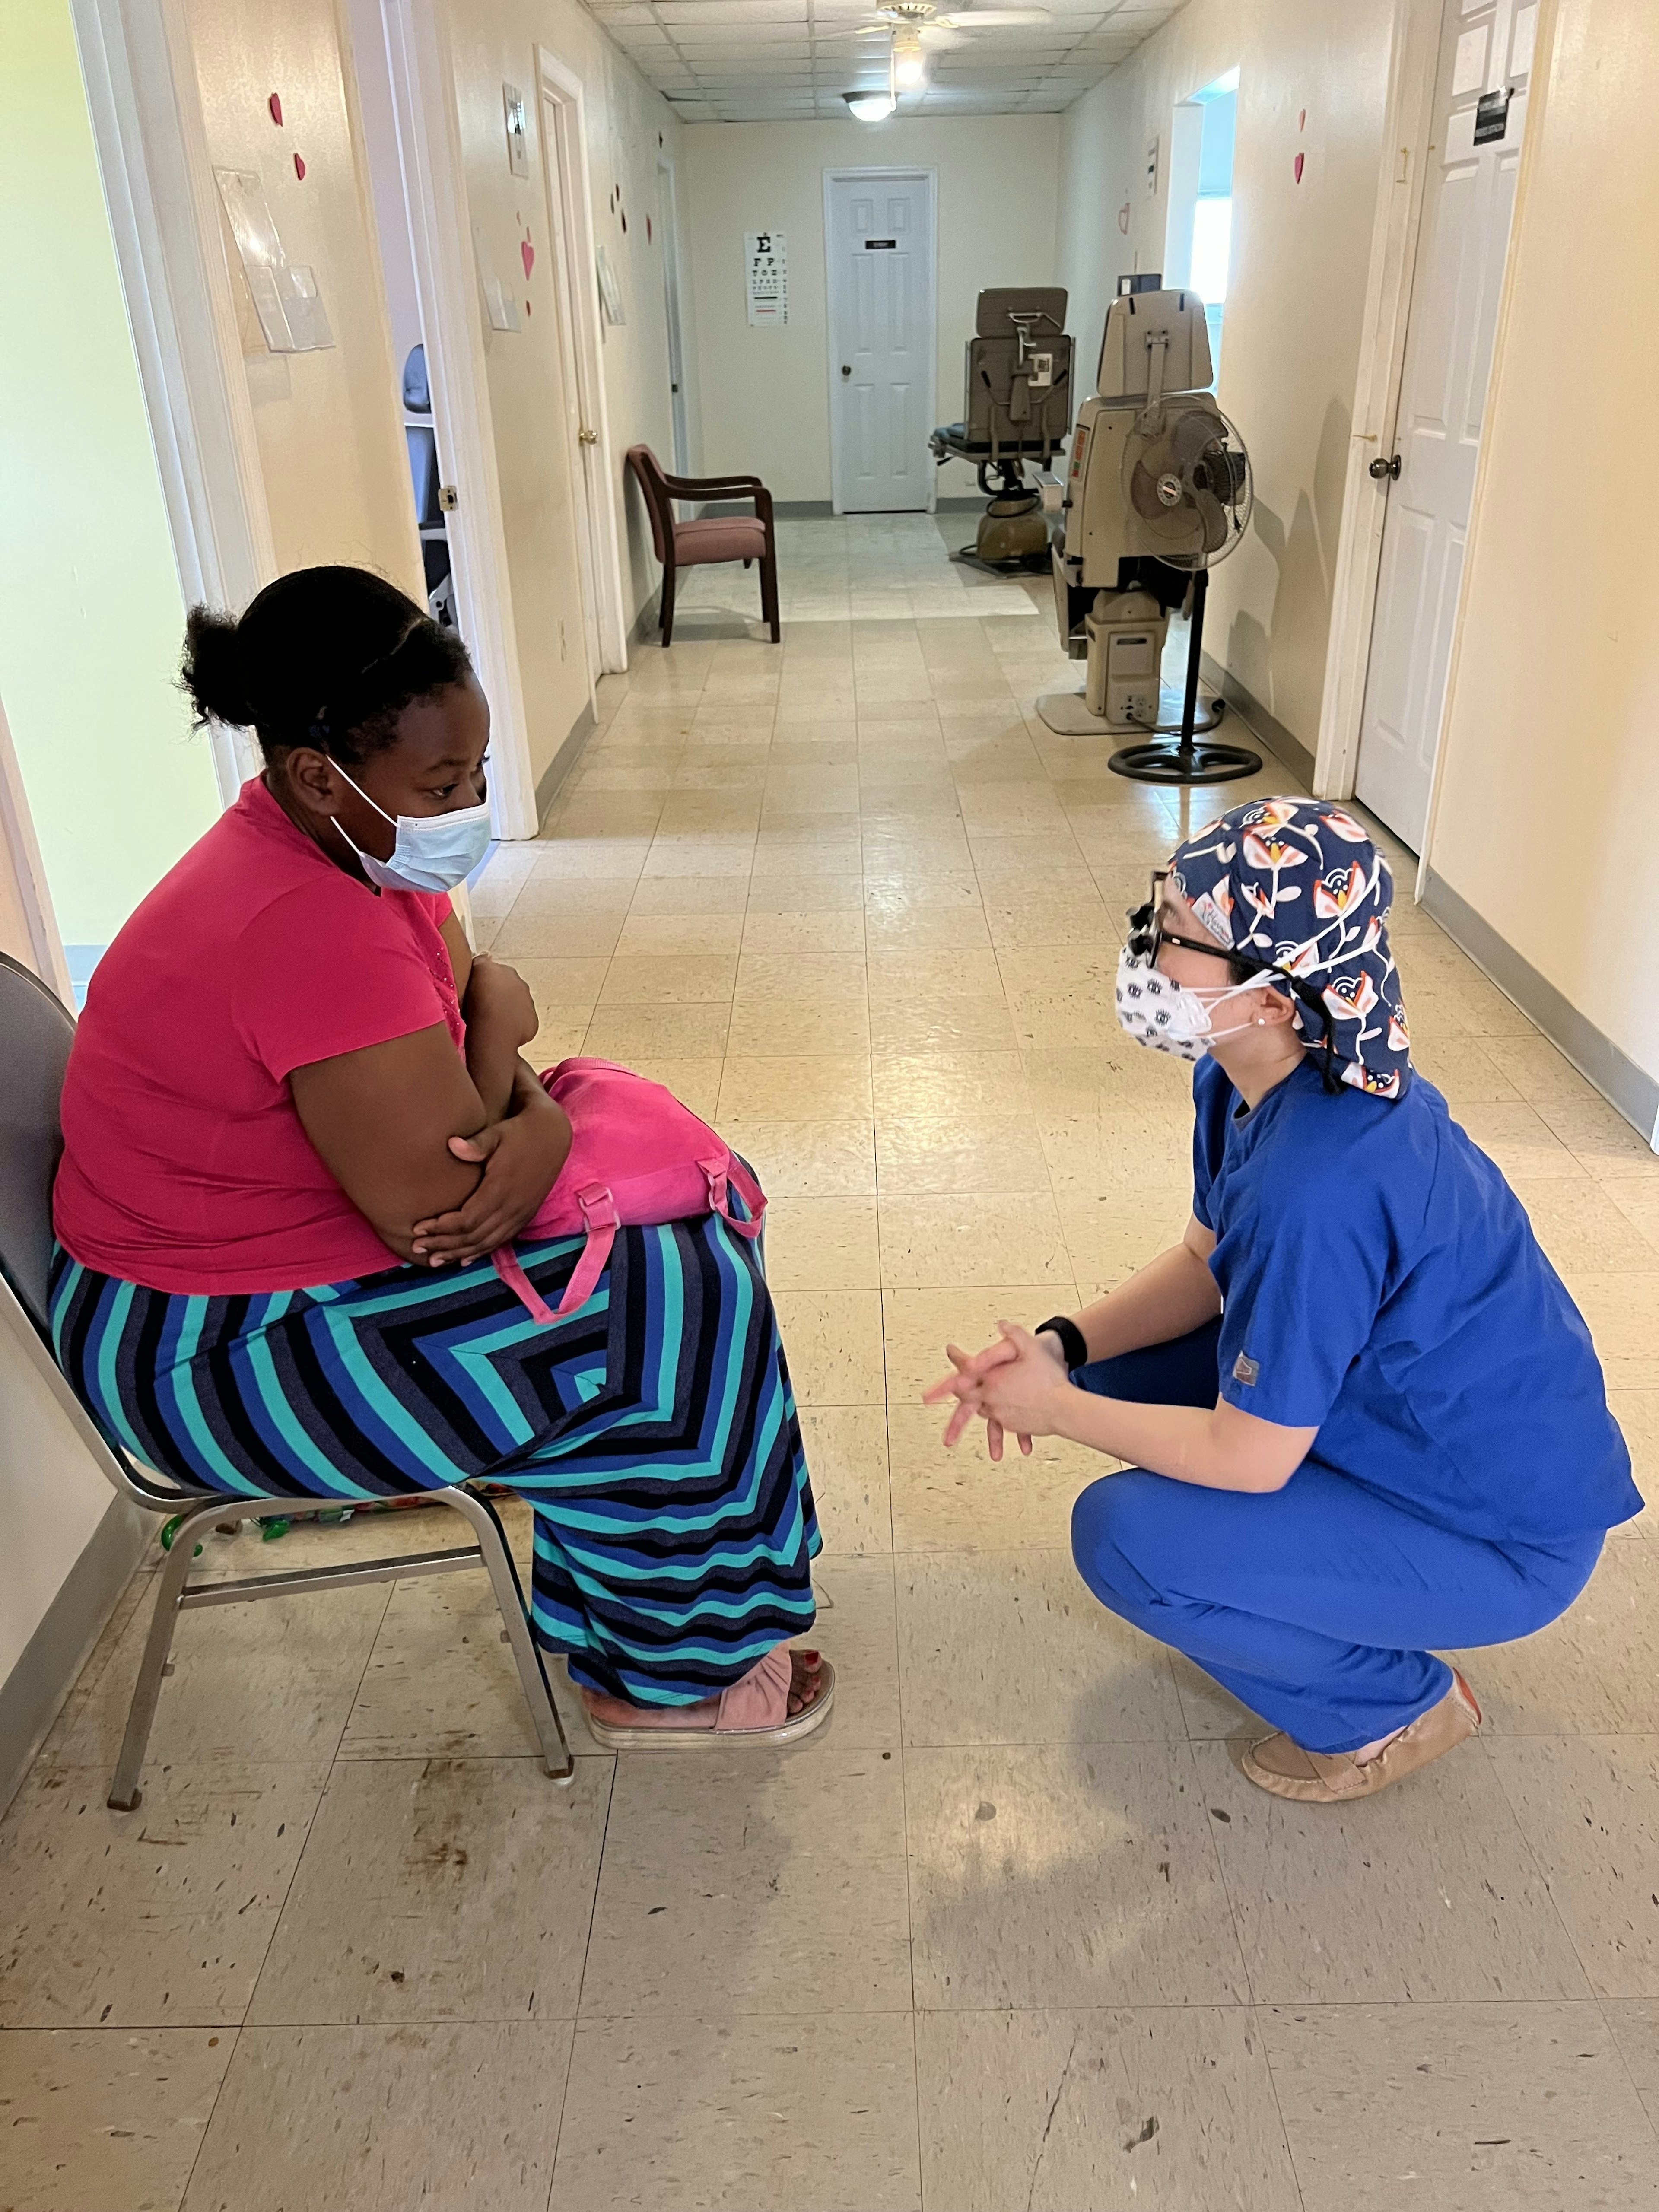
[1468, 203]
[881, 322]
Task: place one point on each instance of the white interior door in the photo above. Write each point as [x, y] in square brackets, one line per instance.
[1486, 59]
[879, 233]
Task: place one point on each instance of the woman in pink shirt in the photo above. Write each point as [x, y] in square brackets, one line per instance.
[297, 1122]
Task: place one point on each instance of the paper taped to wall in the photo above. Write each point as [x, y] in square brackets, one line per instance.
[766, 263]
[285, 295]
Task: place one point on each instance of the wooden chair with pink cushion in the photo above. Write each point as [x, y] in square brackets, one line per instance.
[679, 545]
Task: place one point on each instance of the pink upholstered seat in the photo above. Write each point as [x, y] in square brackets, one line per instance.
[720, 538]
[712, 537]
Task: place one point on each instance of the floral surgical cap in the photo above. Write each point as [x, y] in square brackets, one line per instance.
[1297, 885]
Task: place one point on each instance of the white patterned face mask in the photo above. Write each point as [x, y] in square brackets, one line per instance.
[1155, 1009]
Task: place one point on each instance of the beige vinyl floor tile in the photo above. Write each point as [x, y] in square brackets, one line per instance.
[964, 1239]
[446, 2116]
[800, 2113]
[158, 1917]
[1010, 1647]
[1093, 1863]
[1594, 1672]
[1635, 2025]
[835, 1336]
[440, 1889]
[1166, 2109]
[1495, 2107]
[106, 2117]
[1428, 1893]
[856, 1606]
[806, 1159]
[796, 1087]
[1588, 1808]
[798, 1026]
[733, 1883]
[822, 1244]
[943, 1153]
[846, 1455]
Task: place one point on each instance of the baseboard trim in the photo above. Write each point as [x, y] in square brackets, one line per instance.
[547, 784]
[1291, 752]
[1625, 1085]
[32, 1694]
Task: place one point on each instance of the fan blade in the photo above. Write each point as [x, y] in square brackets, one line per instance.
[932, 35]
[992, 19]
[1193, 432]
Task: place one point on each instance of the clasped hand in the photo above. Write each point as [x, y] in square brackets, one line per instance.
[1018, 1387]
[521, 1158]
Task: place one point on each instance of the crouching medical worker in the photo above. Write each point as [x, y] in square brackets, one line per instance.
[1365, 1418]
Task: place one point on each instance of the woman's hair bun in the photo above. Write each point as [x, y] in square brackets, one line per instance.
[213, 670]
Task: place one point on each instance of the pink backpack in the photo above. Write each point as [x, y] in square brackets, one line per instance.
[636, 1156]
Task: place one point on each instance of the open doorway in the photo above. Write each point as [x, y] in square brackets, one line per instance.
[1198, 237]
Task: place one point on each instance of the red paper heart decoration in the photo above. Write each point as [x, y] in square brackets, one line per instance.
[1297, 165]
[528, 255]
[300, 167]
[275, 104]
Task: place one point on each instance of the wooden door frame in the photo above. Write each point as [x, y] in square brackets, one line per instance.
[565, 157]
[891, 170]
[668, 214]
[22, 850]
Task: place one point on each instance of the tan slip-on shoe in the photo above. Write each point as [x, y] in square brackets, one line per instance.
[1326, 1777]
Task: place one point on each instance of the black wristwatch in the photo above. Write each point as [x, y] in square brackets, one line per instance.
[1075, 1351]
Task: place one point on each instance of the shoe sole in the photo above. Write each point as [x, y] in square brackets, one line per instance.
[710, 1739]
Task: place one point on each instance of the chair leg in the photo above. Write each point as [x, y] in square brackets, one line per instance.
[124, 1790]
[667, 605]
[526, 1652]
[769, 593]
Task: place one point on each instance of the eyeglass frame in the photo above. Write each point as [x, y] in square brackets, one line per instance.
[1147, 938]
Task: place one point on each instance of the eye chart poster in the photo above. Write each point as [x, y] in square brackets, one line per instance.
[767, 265]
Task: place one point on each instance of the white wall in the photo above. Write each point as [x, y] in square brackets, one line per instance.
[765, 393]
[1550, 771]
[1313, 77]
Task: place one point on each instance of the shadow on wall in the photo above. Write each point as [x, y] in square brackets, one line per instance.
[1304, 555]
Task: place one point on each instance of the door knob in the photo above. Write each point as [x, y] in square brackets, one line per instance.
[1380, 468]
[587, 437]
[847, 368]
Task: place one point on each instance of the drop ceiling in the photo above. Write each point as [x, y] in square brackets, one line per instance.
[784, 61]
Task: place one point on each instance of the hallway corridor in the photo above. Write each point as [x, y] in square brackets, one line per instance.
[1012, 1935]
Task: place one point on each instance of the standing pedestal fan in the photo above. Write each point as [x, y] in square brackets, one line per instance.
[1158, 491]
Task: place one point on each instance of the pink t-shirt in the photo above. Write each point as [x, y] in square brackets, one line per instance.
[186, 1166]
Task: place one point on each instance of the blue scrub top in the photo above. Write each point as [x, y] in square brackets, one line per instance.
[1380, 1283]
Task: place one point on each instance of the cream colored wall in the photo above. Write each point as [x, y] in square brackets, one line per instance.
[331, 442]
[766, 392]
[90, 613]
[628, 126]
[1550, 766]
[1296, 288]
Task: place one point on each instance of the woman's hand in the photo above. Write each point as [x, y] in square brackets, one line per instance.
[1017, 1383]
[521, 1158]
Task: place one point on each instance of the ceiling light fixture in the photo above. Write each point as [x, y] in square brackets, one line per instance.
[909, 62]
[874, 106]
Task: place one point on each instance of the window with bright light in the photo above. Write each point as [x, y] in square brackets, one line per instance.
[1212, 238]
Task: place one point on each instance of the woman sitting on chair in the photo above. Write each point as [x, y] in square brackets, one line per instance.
[1367, 1420]
[297, 1123]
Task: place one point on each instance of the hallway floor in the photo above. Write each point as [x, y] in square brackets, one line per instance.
[1012, 1934]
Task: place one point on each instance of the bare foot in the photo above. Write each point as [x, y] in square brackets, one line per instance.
[805, 1681]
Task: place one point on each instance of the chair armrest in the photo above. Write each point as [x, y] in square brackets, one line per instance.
[702, 487]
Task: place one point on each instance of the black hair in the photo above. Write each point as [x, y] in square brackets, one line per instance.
[326, 657]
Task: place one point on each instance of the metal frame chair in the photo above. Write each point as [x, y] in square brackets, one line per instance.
[38, 1029]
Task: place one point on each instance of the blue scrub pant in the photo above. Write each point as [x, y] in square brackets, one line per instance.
[1313, 1605]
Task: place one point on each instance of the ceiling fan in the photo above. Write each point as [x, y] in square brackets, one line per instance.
[914, 30]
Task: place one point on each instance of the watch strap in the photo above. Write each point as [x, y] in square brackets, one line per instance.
[1076, 1351]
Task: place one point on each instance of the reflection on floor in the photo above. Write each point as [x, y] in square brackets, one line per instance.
[1014, 1934]
[880, 567]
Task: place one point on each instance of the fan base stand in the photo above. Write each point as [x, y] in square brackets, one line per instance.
[1184, 762]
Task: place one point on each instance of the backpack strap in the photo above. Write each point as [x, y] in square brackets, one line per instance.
[724, 1175]
[599, 1212]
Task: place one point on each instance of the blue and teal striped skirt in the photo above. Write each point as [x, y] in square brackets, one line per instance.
[653, 1431]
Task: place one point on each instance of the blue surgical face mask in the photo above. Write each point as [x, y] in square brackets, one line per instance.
[433, 852]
